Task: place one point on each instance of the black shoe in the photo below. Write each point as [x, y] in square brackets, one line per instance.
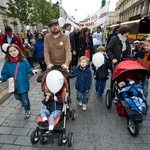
[99, 97]
[43, 124]
[48, 133]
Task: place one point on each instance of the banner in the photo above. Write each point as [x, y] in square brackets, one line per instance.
[97, 19]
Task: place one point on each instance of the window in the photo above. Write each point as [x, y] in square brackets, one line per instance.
[5, 22]
[2, 3]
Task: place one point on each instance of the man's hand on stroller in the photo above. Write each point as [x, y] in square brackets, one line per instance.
[50, 66]
[64, 67]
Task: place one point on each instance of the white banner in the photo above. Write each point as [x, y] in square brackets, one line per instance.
[97, 19]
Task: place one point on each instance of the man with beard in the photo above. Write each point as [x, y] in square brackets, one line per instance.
[56, 47]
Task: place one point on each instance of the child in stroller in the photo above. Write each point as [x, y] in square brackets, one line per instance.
[52, 124]
[53, 109]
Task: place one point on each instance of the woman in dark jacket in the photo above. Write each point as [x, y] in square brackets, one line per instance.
[119, 46]
[85, 44]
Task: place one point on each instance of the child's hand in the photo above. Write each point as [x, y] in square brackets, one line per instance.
[35, 71]
[96, 68]
[55, 98]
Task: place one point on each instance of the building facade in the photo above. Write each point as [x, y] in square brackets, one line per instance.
[127, 10]
[4, 20]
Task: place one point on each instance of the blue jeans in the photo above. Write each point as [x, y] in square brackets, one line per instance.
[23, 98]
[145, 83]
[100, 85]
[83, 97]
[53, 115]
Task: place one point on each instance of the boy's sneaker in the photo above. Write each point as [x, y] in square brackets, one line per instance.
[84, 107]
[80, 103]
[27, 114]
[43, 123]
[48, 133]
[99, 97]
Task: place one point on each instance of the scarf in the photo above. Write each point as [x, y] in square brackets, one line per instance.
[123, 41]
[13, 59]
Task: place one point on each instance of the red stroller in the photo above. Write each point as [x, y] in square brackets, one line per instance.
[124, 70]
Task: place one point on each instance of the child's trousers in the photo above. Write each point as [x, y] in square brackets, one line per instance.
[53, 115]
[83, 97]
[24, 99]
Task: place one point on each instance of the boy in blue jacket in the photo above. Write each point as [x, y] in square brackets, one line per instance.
[83, 81]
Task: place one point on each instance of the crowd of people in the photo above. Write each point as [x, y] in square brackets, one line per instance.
[71, 51]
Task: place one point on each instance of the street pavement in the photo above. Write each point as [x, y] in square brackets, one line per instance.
[94, 129]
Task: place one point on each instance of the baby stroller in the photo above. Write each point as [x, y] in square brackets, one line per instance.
[60, 122]
[132, 70]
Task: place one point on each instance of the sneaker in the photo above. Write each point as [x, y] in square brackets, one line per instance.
[80, 103]
[27, 114]
[115, 100]
[99, 97]
[96, 90]
[84, 107]
[48, 133]
[43, 123]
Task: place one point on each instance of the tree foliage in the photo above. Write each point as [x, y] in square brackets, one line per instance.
[32, 11]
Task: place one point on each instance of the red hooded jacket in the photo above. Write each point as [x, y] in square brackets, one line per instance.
[15, 40]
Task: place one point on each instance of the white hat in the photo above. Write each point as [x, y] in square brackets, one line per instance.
[44, 30]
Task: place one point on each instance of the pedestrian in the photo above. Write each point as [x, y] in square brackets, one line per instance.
[83, 81]
[29, 53]
[56, 47]
[114, 33]
[101, 74]
[74, 39]
[143, 57]
[67, 28]
[21, 34]
[119, 46]
[39, 50]
[18, 67]
[11, 38]
[85, 44]
[98, 35]
[53, 109]
[29, 37]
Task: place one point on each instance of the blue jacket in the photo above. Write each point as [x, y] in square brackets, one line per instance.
[24, 69]
[53, 105]
[84, 78]
[39, 48]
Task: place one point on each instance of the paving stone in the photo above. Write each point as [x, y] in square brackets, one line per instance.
[17, 123]
[2, 120]
[10, 147]
[143, 146]
[7, 139]
[20, 131]
[23, 140]
[29, 148]
[6, 130]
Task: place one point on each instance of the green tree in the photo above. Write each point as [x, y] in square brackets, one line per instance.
[44, 11]
[103, 3]
[32, 11]
[21, 9]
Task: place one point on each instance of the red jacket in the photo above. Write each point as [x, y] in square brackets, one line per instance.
[16, 40]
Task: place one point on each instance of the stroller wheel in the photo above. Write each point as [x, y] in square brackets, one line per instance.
[60, 139]
[133, 127]
[34, 138]
[43, 140]
[73, 116]
[108, 99]
[70, 139]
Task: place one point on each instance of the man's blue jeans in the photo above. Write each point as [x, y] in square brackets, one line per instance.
[23, 98]
[145, 83]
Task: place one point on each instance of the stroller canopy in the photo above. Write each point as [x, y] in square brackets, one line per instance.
[129, 69]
